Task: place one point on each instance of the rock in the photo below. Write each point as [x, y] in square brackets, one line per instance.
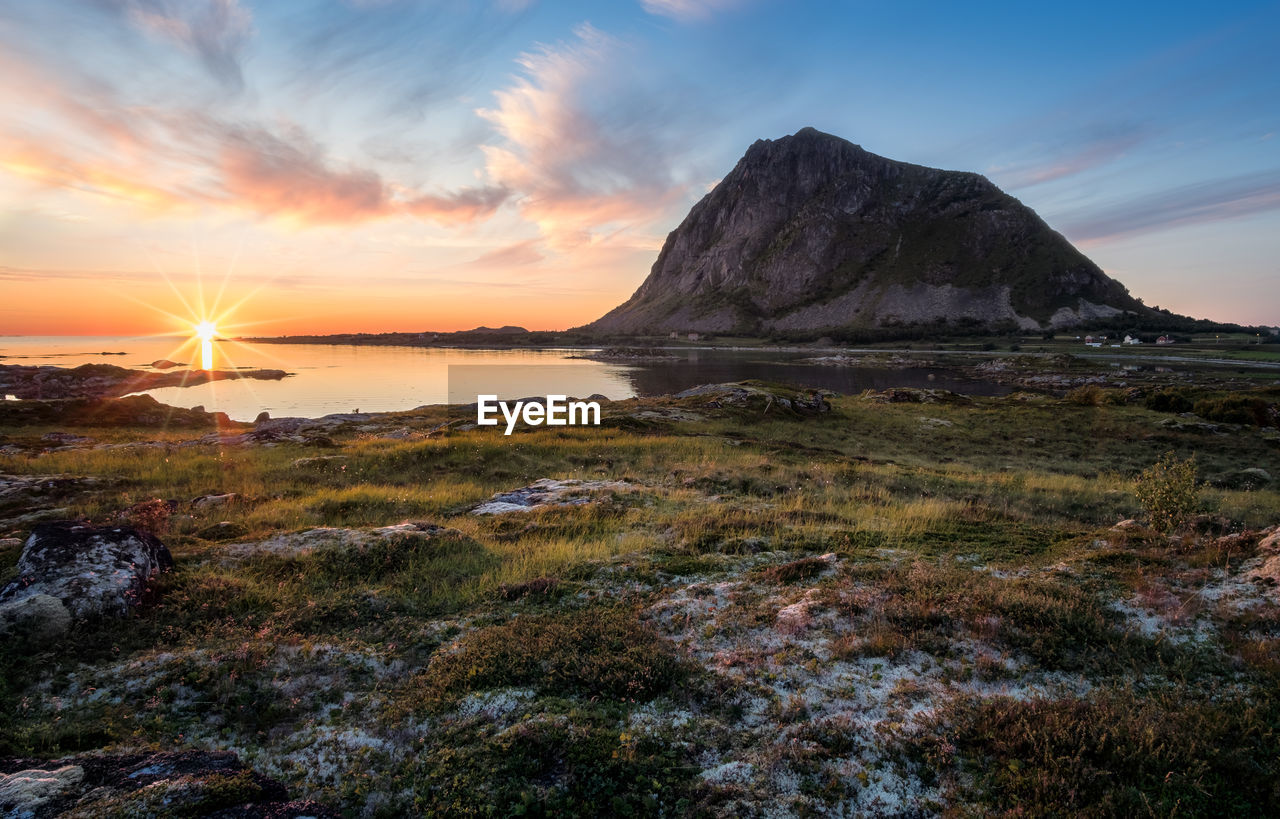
[183, 783]
[92, 572]
[1270, 541]
[1128, 523]
[1250, 478]
[550, 492]
[165, 364]
[326, 537]
[911, 395]
[211, 501]
[320, 462]
[879, 243]
[106, 380]
[40, 617]
[262, 416]
[65, 438]
[25, 793]
[756, 394]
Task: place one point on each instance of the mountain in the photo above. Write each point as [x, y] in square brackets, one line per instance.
[810, 233]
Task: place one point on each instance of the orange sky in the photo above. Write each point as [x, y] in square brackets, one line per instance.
[404, 166]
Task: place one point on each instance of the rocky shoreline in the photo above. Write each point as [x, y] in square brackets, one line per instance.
[107, 380]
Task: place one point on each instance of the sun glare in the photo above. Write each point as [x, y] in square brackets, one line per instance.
[205, 331]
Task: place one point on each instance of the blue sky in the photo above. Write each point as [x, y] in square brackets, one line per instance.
[406, 164]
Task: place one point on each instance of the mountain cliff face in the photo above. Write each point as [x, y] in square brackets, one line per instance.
[810, 232]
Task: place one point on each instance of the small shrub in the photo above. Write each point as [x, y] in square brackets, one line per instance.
[603, 653]
[802, 569]
[1169, 400]
[1234, 409]
[1089, 395]
[1167, 492]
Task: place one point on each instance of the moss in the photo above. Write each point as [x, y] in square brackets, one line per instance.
[1117, 753]
[598, 652]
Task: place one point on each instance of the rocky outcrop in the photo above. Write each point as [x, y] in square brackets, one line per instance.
[186, 783]
[810, 233]
[549, 492]
[292, 544]
[766, 397]
[70, 572]
[106, 380]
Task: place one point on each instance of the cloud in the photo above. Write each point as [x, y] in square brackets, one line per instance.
[1209, 201]
[288, 175]
[216, 31]
[467, 205]
[580, 151]
[1082, 153]
[687, 10]
[176, 160]
[518, 254]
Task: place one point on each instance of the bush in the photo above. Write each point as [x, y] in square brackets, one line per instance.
[602, 653]
[1090, 395]
[1167, 492]
[1234, 409]
[1170, 399]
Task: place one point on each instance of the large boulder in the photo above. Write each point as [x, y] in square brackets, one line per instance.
[70, 571]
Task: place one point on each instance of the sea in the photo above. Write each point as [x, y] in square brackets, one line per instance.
[334, 378]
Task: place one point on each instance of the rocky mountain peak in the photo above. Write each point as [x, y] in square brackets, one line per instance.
[811, 232]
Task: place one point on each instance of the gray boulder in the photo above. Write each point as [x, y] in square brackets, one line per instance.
[70, 571]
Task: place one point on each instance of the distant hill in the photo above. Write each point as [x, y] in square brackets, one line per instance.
[810, 233]
[505, 330]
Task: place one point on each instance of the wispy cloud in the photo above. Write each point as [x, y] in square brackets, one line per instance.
[687, 10]
[1083, 151]
[216, 31]
[581, 152]
[1209, 201]
[517, 254]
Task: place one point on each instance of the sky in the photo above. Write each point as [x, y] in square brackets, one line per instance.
[300, 166]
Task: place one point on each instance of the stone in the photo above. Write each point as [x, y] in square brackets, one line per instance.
[211, 501]
[550, 492]
[39, 617]
[290, 544]
[91, 571]
[174, 783]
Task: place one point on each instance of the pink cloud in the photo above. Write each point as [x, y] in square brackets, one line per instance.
[578, 168]
[84, 138]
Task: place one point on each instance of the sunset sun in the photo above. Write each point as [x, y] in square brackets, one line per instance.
[205, 332]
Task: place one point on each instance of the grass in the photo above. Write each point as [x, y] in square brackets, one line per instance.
[798, 613]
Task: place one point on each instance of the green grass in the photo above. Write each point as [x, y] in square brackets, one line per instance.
[972, 542]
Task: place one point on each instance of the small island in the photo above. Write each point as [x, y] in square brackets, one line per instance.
[108, 381]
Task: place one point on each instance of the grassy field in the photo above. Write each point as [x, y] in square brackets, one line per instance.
[890, 607]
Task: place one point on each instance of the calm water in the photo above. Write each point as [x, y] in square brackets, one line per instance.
[340, 378]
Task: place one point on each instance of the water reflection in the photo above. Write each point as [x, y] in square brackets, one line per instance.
[336, 378]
